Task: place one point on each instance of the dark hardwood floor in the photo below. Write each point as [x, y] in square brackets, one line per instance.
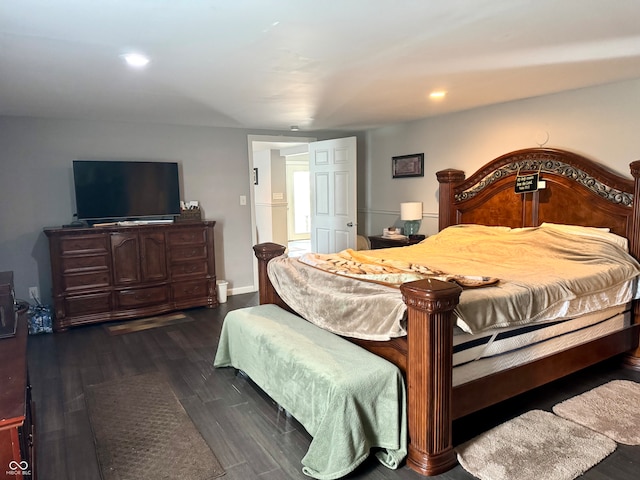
[251, 437]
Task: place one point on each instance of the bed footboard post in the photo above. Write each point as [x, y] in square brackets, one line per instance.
[448, 179]
[265, 252]
[632, 359]
[430, 323]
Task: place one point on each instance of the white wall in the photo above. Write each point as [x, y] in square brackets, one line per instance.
[600, 123]
[262, 196]
[279, 197]
[271, 213]
[36, 186]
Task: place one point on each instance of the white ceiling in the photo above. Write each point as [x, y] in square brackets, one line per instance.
[332, 64]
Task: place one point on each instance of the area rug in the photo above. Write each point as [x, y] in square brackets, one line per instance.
[536, 445]
[611, 409]
[146, 323]
[142, 432]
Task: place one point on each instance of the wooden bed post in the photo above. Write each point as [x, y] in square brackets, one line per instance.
[632, 359]
[448, 179]
[264, 252]
[430, 305]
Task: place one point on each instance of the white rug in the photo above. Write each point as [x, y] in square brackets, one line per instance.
[536, 445]
[611, 409]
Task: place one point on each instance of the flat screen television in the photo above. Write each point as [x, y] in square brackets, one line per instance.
[111, 189]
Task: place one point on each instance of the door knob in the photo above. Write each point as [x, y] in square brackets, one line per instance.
[350, 224]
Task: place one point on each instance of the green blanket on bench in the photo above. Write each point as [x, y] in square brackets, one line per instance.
[348, 399]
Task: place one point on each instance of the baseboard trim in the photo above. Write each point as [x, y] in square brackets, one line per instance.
[241, 290]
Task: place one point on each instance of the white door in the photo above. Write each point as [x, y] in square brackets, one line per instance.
[332, 171]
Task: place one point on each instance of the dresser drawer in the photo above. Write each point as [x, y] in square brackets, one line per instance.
[78, 305]
[86, 281]
[141, 297]
[84, 244]
[189, 269]
[193, 289]
[187, 236]
[194, 252]
[84, 262]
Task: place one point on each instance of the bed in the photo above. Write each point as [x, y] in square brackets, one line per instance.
[578, 191]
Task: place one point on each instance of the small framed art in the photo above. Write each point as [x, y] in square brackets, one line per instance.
[408, 165]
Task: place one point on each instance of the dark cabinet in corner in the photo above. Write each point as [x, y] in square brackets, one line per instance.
[123, 272]
[17, 426]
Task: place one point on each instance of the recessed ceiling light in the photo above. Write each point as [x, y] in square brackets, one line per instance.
[295, 128]
[136, 60]
[437, 94]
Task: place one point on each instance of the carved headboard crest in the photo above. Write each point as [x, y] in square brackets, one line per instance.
[545, 162]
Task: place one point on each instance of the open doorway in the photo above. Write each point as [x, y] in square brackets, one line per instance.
[332, 180]
[298, 201]
[280, 193]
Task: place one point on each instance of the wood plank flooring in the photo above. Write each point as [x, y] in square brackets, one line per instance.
[249, 434]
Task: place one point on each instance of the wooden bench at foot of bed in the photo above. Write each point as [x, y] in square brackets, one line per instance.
[348, 399]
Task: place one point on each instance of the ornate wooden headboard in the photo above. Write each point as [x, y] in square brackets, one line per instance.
[578, 191]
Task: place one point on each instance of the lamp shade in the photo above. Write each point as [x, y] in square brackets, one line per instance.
[411, 211]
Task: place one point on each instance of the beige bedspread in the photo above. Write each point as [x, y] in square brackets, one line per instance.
[545, 273]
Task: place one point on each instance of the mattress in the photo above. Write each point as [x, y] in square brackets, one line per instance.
[468, 347]
[476, 356]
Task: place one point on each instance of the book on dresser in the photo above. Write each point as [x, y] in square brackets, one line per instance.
[120, 272]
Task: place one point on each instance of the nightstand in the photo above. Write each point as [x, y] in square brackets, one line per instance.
[378, 241]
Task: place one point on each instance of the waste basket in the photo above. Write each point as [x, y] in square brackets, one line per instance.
[222, 290]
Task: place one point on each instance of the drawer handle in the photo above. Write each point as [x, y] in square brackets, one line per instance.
[191, 290]
[190, 269]
[192, 253]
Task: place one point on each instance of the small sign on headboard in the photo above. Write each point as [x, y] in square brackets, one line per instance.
[527, 183]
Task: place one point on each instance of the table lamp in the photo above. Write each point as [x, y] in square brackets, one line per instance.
[411, 213]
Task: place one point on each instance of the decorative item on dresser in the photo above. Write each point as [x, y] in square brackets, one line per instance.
[122, 272]
[17, 451]
[380, 241]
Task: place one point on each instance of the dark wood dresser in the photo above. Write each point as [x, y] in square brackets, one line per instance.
[124, 272]
[17, 451]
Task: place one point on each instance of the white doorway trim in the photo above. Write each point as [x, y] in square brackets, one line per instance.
[277, 140]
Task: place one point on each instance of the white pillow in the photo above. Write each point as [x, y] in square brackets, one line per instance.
[596, 232]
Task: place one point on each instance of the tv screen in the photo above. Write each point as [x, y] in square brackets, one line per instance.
[125, 189]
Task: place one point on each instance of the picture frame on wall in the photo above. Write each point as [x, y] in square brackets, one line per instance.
[408, 165]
